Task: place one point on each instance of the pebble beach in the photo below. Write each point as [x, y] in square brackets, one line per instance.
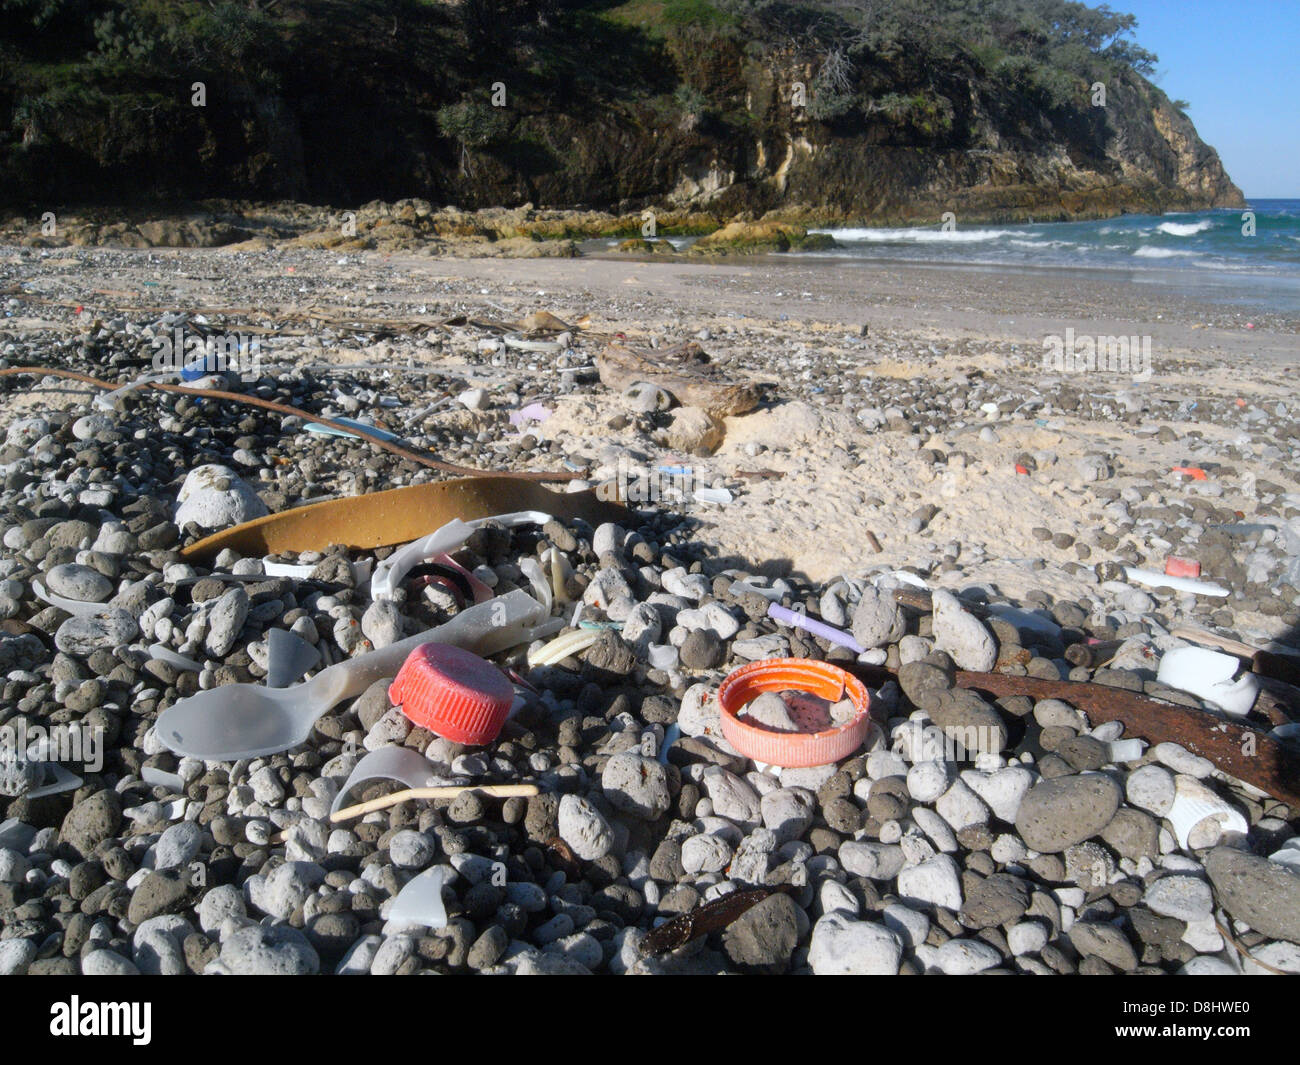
[910, 439]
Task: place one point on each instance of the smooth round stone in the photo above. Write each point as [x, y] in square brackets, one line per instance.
[213, 497]
[82, 583]
[107, 963]
[637, 785]
[926, 781]
[841, 946]
[705, 854]
[178, 845]
[583, 828]
[90, 425]
[411, 850]
[1058, 813]
[268, 950]
[1187, 898]
[1151, 788]
[82, 637]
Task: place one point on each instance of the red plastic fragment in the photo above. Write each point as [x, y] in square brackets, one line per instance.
[1182, 567]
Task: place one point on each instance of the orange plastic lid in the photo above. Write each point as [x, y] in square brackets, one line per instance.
[793, 749]
[452, 692]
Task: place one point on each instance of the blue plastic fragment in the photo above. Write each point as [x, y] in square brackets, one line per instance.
[329, 430]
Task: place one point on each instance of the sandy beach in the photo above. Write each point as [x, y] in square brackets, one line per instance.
[904, 438]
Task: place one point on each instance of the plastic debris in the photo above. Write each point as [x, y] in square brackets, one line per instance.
[329, 430]
[671, 735]
[160, 778]
[433, 791]
[288, 657]
[453, 693]
[1209, 674]
[534, 412]
[420, 901]
[793, 749]
[1194, 472]
[1200, 817]
[450, 537]
[1179, 584]
[162, 653]
[1182, 567]
[532, 569]
[1126, 750]
[721, 496]
[571, 643]
[786, 616]
[247, 720]
[76, 607]
[58, 780]
[522, 343]
[388, 763]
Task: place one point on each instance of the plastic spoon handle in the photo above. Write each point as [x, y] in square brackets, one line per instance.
[350, 678]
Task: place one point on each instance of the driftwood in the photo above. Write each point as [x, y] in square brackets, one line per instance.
[1249, 754]
[1246, 753]
[684, 371]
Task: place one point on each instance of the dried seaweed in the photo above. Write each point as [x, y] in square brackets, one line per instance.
[711, 917]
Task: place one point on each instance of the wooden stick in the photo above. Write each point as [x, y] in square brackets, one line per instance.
[1212, 639]
[496, 791]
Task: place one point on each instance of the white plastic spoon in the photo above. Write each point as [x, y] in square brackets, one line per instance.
[248, 720]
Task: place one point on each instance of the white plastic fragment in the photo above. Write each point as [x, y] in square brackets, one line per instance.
[450, 537]
[420, 902]
[162, 653]
[76, 607]
[288, 657]
[1208, 674]
[160, 778]
[532, 569]
[1152, 579]
[388, 763]
[571, 643]
[1200, 817]
[64, 780]
[1126, 750]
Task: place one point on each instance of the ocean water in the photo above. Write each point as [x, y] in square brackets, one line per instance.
[1206, 251]
[1208, 240]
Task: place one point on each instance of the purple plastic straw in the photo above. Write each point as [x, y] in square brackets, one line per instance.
[839, 637]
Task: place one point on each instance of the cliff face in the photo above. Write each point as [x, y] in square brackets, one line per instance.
[380, 120]
[990, 156]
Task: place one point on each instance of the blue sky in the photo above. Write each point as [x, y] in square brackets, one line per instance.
[1235, 62]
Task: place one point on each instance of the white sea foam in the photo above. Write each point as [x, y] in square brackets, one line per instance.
[1185, 229]
[918, 236]
[1147, 252]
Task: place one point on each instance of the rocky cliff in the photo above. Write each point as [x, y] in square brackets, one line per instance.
[342, 104]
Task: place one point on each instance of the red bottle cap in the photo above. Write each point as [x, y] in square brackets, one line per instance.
[452, 692]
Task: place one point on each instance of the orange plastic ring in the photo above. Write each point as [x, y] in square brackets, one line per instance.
[793, 750]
